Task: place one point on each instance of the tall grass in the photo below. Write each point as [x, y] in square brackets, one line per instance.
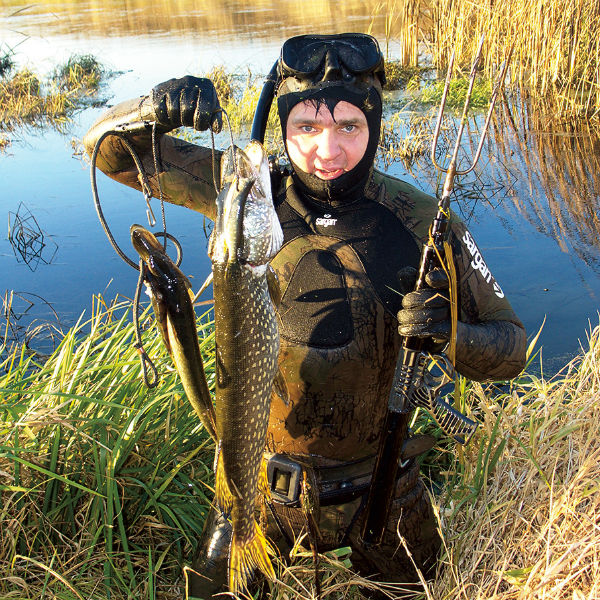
[556, 56]
[105, 484]
[521, 510]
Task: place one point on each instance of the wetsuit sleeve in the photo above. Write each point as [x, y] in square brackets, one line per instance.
[491, 340]
[185, 169]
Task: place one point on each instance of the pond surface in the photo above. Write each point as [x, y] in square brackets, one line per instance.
[538, 228]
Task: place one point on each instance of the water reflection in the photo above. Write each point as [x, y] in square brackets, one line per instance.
[29, 320]
[27, 239]
[259, 18]
[562, 169]
[548, 176]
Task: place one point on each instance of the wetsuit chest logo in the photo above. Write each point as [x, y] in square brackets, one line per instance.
[326, 220]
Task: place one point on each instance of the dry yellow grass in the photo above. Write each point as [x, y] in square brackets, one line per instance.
[556, 46]
[533, 531]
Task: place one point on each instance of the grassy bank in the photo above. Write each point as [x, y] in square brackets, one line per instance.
[105, 484]
[28, 100]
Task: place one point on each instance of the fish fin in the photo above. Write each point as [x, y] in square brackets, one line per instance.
[273, 285]
[192, 296]
[223, 495]
[263, 480]
[245, 557]
[280, 387]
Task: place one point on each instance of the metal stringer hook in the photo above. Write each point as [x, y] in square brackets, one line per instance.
[451, 170]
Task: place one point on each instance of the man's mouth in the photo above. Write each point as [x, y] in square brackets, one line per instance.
[328, 174]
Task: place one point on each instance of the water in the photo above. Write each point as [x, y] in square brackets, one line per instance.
[539, 238]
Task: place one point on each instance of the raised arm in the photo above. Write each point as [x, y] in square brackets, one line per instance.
[185, 169]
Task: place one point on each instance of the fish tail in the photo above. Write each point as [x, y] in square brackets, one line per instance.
[223, 495]
[245, 557]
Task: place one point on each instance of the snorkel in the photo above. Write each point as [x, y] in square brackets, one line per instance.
[324, 70]
[263, 106]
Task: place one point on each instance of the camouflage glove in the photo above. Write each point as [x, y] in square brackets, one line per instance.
[425, 313]
[189, 102]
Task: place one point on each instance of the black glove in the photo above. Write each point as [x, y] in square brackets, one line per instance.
[425, 313]
[189, 101]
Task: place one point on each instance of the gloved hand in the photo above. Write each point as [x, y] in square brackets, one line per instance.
[425, 313]
[188, 101]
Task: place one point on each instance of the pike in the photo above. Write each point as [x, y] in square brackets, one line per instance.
[172, 301]
[246, 236]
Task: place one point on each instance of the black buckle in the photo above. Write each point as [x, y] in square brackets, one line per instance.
[284, 476]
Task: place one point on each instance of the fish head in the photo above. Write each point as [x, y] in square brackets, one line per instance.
[247, 229]
[159, 267]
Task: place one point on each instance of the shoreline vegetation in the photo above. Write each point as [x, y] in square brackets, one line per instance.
[28, 100]
[105, 484]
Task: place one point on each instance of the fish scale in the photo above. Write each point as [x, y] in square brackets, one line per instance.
[247, 348]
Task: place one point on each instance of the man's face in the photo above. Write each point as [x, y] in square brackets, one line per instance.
[322, 146]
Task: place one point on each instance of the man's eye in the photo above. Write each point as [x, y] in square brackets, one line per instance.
[307, 128]
[349, 128]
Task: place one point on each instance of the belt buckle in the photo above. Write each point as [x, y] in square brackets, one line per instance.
[284, 476]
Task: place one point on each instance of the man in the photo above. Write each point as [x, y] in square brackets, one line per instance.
[352, 241]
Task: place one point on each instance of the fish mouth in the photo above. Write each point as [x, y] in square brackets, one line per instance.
[143, 241]
[247, 229]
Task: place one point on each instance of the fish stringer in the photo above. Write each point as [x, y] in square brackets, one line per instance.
[146, 362]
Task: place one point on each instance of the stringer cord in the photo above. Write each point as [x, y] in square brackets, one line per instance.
[146, 362]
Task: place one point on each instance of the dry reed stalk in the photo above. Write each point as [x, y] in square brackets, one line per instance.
[409, 33]
[533, 530]
[556, 45]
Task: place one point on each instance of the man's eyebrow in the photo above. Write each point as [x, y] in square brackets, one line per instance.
[340, 122]
[303, 121]
[351, 121]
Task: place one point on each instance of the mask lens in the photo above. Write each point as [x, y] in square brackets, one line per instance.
[304, 54]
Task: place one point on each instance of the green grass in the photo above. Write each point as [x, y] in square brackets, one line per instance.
[80, 72]
[102, 480]
[105, 484]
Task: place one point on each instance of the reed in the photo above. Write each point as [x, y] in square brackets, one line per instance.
[520, 511]
[556, 47]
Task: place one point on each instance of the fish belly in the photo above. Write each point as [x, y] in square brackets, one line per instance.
[247, 347]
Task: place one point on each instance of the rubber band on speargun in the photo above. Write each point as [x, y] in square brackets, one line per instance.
[447, 264]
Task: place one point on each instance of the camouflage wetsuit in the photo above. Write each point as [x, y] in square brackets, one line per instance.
[339, 341]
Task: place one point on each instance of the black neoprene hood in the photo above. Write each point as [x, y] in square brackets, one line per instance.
[330, 80]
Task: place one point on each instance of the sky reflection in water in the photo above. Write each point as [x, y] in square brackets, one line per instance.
[540, 243]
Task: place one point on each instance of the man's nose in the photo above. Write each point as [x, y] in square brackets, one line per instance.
[328, 146]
